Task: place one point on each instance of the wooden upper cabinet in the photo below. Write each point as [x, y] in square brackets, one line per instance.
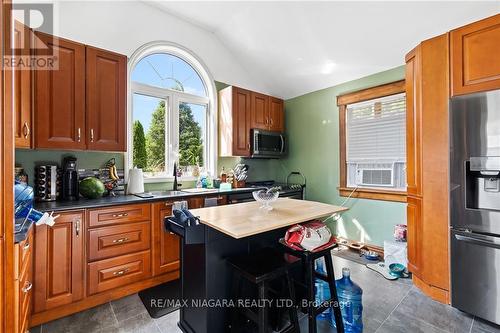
[59, 263]
[234, 121]
[241, 110]
[22, 89]
[81, 104]
[60, 96]
[259, 115]
[267, 113]
[106, 100]
[475, 61]
[166, 247]
[276, 115]
[413, 123]
[241, 122]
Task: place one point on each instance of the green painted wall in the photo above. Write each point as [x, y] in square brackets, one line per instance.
[259, 169]
[313, 123]
[86, 159]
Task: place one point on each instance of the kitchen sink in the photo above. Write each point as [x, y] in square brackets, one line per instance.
[166, 193]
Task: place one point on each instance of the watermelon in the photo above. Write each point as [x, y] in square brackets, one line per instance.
[91, 188]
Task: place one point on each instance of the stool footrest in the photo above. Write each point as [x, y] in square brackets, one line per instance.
[321, 276]
[323, 306]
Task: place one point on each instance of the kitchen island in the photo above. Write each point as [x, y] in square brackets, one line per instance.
[227, 231]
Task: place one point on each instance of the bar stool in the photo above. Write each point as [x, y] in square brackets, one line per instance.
[308, 258]
[260, 269]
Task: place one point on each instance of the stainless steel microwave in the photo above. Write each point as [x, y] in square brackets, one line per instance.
[267, 144]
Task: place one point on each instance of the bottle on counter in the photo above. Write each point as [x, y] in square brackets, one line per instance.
[210, 181]
[223, 175]
[21, 175]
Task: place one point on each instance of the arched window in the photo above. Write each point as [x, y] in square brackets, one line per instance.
[172, 112]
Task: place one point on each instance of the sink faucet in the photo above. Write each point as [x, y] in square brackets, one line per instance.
[176, 185]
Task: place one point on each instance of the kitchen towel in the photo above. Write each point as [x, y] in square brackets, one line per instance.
[135, 181]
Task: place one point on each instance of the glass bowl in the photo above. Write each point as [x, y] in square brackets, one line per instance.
[265, 197]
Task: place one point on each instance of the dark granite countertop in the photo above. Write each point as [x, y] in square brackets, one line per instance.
[125, 199]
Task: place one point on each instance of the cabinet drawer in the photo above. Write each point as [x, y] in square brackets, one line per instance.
[23, 254]
[25, 294]
[119, 214]
[116, 272]
[117, 240]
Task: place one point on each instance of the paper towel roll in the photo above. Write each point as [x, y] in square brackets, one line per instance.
[135, 181]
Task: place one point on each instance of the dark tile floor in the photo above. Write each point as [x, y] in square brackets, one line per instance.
[388, 306]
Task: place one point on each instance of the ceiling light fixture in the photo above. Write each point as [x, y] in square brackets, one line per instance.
[328, 67]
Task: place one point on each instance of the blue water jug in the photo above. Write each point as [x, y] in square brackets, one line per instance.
[322, 290]
[350, 300]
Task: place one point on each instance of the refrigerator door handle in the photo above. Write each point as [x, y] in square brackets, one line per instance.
[479, 240]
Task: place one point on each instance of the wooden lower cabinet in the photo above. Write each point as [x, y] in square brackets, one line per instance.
[116, 240]
[165, 245]
[199, 202]
[415, 232]
[118, 271]
[59, 270]
[23, 271]
[119, 214]
[90, 257]
[427, 93]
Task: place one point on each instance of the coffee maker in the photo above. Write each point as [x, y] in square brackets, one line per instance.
[69, 179]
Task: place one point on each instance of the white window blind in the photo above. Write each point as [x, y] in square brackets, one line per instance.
[376, 130]
[376, 140]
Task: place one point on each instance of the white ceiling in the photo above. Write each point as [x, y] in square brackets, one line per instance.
[298, 47]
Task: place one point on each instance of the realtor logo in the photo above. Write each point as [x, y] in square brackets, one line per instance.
[30, 49]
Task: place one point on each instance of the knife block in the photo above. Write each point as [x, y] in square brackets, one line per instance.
[238, 183]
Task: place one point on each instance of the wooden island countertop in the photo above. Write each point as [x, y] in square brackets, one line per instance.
[247, 219]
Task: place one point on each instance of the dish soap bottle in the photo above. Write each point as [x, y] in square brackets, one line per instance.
[322, 289]
[350, 300]
[223, 175]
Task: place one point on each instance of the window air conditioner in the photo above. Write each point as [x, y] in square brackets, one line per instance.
[374, 175]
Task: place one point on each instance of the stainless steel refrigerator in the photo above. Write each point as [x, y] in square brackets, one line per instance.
[475, 204]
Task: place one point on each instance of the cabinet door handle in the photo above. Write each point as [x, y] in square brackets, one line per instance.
[120, 215]
[26, 246]
[91, 135]
[248, 146]
[120, 272]
[271, 121]
[79, 134]
[26, 130]
[27, 287]
[77, 228]
[120, 240]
